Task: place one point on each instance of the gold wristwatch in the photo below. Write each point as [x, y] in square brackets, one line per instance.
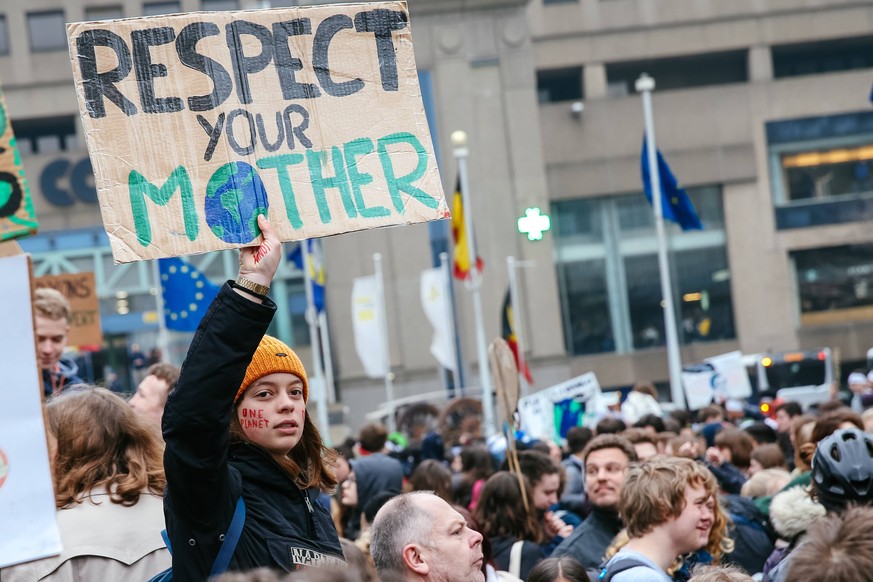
[255, 288]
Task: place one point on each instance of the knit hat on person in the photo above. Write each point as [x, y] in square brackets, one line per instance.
[273, 356]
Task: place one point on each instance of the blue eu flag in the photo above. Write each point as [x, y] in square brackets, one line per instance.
[316, 268]
[187, 294]
[675, 205]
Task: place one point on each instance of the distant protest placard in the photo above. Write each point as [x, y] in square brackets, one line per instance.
[17, 217]
[551, 412]
[196, 123]
[80, 289]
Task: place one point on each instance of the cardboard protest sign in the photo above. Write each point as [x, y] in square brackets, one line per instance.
[551, 412]
[718, 378]
[80, 289]
[17, 217]
[28, 528]
[198, 122]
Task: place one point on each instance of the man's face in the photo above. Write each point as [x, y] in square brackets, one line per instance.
[604, 473]
[545, 491]
[783, 421]
[456, 552]
[150, 397]
[690, 530]
[51, 338]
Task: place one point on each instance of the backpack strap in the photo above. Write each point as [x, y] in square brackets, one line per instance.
[515, 558]
[228, 546]
[620, 566]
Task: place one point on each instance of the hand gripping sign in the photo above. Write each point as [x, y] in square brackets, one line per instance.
[196, 123]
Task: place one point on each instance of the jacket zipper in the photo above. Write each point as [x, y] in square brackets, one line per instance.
[311, 512]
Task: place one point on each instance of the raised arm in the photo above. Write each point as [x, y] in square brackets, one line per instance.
[198, 412]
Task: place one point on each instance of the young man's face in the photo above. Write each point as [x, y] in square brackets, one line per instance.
[783, 421]
[545, 491]
[51, 338]
[150, 398]
[690, 529]
[605, 470]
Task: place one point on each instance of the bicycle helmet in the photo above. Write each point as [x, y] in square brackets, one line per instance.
[842, 469]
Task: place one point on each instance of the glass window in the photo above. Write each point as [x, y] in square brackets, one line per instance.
[828, 172]
[834, 279]
[4, 36]
[103, 12]
[680, 72]
[156, 8]
[821, 169]
[606, 256]
[843, 54]
[46, 31]
[219, 5]
[559, 85]
[45, 134]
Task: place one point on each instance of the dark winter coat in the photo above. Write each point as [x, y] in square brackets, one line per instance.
[588, 542]
[285, 528]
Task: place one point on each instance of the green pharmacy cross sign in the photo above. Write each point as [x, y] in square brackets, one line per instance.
[534, 224]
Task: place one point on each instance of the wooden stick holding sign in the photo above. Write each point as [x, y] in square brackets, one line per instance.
[196, 123]
[505, 374]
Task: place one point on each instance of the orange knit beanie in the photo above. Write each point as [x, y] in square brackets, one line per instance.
[273, 356]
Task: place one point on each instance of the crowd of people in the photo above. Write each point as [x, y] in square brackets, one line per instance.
[216, 471]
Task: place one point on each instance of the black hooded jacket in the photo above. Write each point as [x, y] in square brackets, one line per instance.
[285, 528]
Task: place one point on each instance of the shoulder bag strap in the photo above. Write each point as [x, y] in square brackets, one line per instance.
[228, 546]
[515, 558]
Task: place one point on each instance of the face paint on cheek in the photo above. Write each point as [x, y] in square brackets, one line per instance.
[253, 419]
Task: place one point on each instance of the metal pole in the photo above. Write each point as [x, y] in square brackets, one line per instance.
[459, 140]
[460, 371]
[511, 265]
[328, 357]
[315, 344]
[645, 85]
[457, 374]
[383, 329]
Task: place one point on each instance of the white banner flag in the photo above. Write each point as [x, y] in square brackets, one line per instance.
[369, 342]
[437, 307]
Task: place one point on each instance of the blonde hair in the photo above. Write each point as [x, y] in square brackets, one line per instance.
[654, 492]
[101, 442]
[51, 303]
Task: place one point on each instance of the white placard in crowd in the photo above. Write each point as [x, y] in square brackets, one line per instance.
[568, 403]
[731, 379]
[28, 527]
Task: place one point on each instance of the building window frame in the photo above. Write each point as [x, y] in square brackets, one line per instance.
[57, 44]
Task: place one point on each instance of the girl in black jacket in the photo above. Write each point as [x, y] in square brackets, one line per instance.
[236, 425]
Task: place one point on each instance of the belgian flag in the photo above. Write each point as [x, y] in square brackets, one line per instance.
[459, 237]
[509, 336]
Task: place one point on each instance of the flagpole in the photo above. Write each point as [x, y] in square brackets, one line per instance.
[512, 265]
[459, 140]
[460, 373]
[645, 85]
[383, 329]
[453, 332]
[328, 357]
[315, 344]
[163, 335]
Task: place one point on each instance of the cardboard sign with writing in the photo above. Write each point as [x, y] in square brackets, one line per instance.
[17, 217]
[196, 123]
[80, 289]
